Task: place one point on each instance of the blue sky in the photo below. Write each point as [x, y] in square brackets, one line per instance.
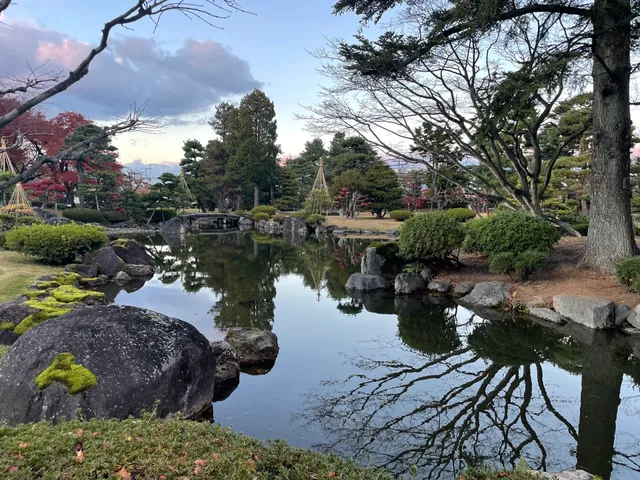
[267, 48]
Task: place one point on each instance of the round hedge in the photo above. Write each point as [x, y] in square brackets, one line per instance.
[461, 214]
[268, 209]
[401, 215]
[84, 215]
[430, 236]
[514, 232]
[261, 216]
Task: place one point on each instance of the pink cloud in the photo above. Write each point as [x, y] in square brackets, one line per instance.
[68, 53]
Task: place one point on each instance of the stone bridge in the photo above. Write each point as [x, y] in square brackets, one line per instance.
[207, 222]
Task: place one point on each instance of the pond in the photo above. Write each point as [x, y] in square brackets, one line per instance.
[406, 383]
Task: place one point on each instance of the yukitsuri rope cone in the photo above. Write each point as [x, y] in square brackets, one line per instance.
[19, 203]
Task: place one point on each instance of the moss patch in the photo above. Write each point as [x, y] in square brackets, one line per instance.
[3, 351]
[151, 449]
[48, 308]
[47, 284]
[71, 294]
[75, 377]
[7, 326]
[120, 242]
[68, 278]
[31, 294]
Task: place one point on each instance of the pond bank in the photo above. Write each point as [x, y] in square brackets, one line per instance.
[17, 272]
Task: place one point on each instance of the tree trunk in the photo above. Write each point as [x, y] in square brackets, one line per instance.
[272, 194]
[239, 202]
[80, 172]
[611, 235]
[256, 195]
[599, 402]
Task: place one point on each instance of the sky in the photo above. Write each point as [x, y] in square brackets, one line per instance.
[183, 69]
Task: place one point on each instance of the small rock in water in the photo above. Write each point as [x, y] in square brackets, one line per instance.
[253, 347]
[439, 286]
[548, 315]
[463, 288]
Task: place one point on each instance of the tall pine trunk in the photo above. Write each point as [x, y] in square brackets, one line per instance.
[256, 195]
[80, 173]
[611, 235]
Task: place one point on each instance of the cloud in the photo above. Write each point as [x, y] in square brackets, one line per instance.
[187, 81]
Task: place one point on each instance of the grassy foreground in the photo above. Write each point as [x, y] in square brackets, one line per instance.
[153, 449]
[17, 272]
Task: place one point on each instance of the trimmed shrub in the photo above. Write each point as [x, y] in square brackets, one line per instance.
[461, 214]
[261, 216]
[268, 209]
[628, 271]
[430, 236]
[300, 214]
[472, 240]
[529, 262]
[279, 218]
[514, 232]
[522, 265]
[502, 262]
[3, 240]
[401, 215]
[314, 218]
[160, 215]
[85, 215]
[56, 244]
[239, 212]
[115, 217]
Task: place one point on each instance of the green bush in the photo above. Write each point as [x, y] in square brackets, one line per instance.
[514, 232]
[56, 244]
[628, 271]
[635, 204]
[582, 228]
[279, 218]
[8, 221]
[160, 215]
[85, 215]
[461, 214]
[300, 214]
[268, 209]
[314, 218]
[430, 236]
[522, 265]
[3, 240]
[529, 262]
[502, 262]
[261, 216]
[401, 215]
[115, 217]
[472, 230]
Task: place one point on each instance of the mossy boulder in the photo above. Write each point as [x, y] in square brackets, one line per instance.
[132, 252]
[106, 260]
[11, 314]
[85, 271]
[70, 294]
[381, 258]
[137, 356]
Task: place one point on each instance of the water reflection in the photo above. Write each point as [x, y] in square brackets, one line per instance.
[450, 390]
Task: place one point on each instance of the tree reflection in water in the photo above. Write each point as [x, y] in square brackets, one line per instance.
[474, 391]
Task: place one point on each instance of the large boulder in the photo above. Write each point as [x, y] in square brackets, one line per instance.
[439, 286]
[58, 221]
[548, 315]
[106, 362]
[634, 317]
[253, 347]
[85, 271]
[488, 294]
[106, 260]
[463, 288]
[137, 271]
[12, 313]
[173, 226]
[372, 262]
[407, 283]
[366, 283]
[121, 278]
[591, 312]
[132, 252]
[568, 475]
[227, 376]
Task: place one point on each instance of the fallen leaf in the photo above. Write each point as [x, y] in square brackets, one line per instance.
[332, 474]
[215, 457]
[24, 445]
[13, 469]
[124, 474]
[200, 463]
[197, 470]
[79, 453]
[95, 434]
[80, 433]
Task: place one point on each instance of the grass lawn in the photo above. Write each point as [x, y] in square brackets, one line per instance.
[364, 222]
[148, 448]
[18, 272]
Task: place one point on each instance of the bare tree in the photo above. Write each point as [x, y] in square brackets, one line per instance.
[40, 85]
[480, 104]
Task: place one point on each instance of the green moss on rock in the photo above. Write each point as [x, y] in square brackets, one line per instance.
[71, 294]
[48, 284]
[34, 293]
[6, 326]
[3, 351]
[68, 278]
[75, 377]
[47, 309]
[120, 242]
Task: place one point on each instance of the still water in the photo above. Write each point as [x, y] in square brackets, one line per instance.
[399, 382]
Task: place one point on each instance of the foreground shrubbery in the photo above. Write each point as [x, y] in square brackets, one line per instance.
[152, 449]
[314, 219]
[521, 266]
[514, 232]
[261, 216]
[84, 215]
[263, 209]
[628, 273]
[430, 236]
[56, 244]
